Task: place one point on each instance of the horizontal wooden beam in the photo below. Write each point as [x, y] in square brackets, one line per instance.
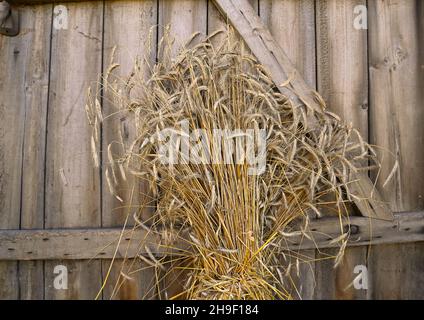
[405, 227]
[77, 244]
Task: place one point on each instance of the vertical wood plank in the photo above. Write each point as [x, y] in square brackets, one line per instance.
[127, 28]
[23, 91]
[396, 92]
[342, 62]
[72, 184]
[343, 83]
[12, 115]
[215, 19]
[291, 22]
[31, 275]
[184, 17]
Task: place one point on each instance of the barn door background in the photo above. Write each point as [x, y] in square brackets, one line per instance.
[372, 77]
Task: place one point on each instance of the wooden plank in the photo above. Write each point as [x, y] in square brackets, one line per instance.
[406, 227]
[184, 17]
[270, 54]
[31, 275]
[343, 84]
[72, 184]
[217, 21]
[396, 92]
[101, 243]
[291, 23]
[247, 22]
[375, 207]
[12, 119]
[127, 31]
[342, 62]
[67, 244]
[23, 88]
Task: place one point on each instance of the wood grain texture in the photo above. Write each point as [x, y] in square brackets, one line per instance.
[217, 21]
[73, 187]
[262, 44]
[66, 244]
[101, 243]
[128, 29]
[184, 17]
[254, 32]
[396, 51]
[342, 62]
[23, 88]
[73, 184]
[343, 83]
[31, 276]
[291, 23]
[12, 115]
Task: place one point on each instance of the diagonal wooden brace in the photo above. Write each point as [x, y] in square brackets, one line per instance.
[263, 45]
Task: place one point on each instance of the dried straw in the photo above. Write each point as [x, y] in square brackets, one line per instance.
[239, 225]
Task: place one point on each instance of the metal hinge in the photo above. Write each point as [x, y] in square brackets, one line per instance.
[9, 20]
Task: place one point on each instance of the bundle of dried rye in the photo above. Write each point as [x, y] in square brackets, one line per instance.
[234, 168]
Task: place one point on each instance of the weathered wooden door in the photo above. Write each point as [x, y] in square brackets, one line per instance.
[372, 77]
